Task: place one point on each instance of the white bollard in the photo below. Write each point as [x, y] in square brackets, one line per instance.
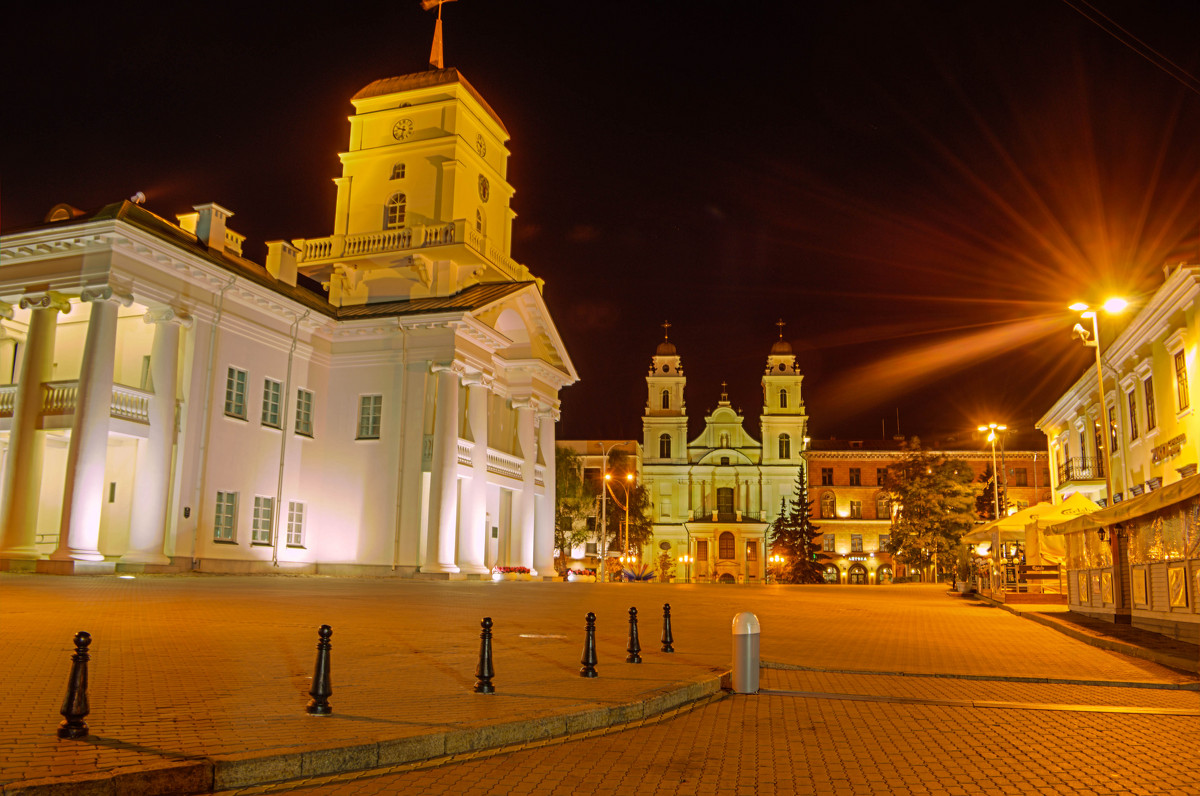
[745, 653]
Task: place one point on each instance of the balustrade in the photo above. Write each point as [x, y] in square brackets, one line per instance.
[504, 464]
[1081, 468]
[8, 400]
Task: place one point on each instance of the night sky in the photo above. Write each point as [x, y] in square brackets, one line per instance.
[917, 188]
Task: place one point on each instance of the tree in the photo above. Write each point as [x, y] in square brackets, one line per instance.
[574, 502]
[793, 536]
[934, 507]
[985, 501]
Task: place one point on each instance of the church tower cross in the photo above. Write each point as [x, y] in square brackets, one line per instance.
[665, 326]
[781, 323]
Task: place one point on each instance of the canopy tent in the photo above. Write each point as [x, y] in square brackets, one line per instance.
[1011, 528]
[1043, 549]
[1129, 509]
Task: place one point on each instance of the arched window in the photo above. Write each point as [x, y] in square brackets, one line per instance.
[783, 399]
[828, 504]
[785, 446]
[664, 446]
[725, 545]
[666, 399]
[883, 506]
[479, 226]
[394, 211]
[398, 171]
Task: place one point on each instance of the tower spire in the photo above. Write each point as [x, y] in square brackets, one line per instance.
[435, 52]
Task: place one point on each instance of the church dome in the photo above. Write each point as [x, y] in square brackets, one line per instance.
[781, 348]
[665, 349]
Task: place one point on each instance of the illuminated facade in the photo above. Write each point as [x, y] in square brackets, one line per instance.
[378, 401]
[714, 497]
[845, 485]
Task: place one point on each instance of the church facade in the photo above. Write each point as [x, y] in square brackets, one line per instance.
[379, 401]
[713, 497]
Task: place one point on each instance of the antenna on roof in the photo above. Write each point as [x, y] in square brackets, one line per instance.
[435, 52]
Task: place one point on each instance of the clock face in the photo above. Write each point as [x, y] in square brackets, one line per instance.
[485, 190]
[481, 145]
[402, 129]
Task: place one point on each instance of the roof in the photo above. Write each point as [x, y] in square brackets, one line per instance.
[1133, 508]
[472, 298]
[665, 349]
[781, 348]
[429, 79]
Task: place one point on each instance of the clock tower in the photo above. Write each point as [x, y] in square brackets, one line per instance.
[783, 420]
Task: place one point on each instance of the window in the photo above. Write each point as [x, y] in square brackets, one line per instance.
[1021, 476]
[272, 390]
[702, 550]
[1099, 442]
[725, 500]
[398, 171]
[855, 476]
[783, 399]
[295, 526]
[664, 446]
[264, 516]
[826, 476]
[1113, 442]
[235, 393]
[666, 399]
[751, 551]
[370, 411]
[885, 539]
[785, 446]
[880, 476]
[591, 548]
[225, 517]
[828, 504]
[1133, 421]
[856, 509]
[827, 542]
[1181, 387]
[304, 408]
[883, 506]
[856, 543]
[1148, 388]
[479, 221]
[725, 546]
[393, 217]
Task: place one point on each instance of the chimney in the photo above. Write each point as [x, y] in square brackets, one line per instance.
[207, 223]
[281, 261]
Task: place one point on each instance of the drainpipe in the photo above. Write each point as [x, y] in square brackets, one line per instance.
[198, 498]
[287, 391]
[403, 425]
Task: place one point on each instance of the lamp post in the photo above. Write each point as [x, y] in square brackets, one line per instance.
[687, 562]
[625, 489]
[1092, 340]
[991, 429]
[604, 507]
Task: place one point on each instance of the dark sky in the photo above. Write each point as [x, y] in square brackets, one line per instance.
[918, 188]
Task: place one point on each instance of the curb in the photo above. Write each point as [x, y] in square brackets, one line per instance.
[1113, 645]
[241, 771]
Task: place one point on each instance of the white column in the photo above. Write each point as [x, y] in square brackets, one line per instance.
[83, 490]
[151, 485]
[443, 486]
[522, 546]
[543, 528]
[23, 474]
[472, 531]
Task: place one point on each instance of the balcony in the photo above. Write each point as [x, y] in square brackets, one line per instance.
[59, 397]
[316, 251]
[1081, 468]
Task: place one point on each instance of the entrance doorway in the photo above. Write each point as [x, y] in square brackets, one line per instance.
[857, 575]
[884, 575]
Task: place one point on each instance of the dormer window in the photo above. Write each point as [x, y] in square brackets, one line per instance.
[666, 399]
[398, 171]
[393, 217]
[783, 399]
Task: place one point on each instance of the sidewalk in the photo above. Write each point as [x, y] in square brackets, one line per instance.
[1126, 639]
[200, 682]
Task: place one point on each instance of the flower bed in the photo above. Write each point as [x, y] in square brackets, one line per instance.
[581, 575]
[511, 573]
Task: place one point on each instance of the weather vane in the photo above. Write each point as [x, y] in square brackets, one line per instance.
[435, 53]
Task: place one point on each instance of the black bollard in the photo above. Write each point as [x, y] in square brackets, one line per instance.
[322, 688]
[589, 648]
[75, 704]
[484, 671]
[667, 638]
[634, 646]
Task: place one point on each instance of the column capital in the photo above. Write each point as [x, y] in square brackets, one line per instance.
[6, 310]
[106, 293]
[475, 378]
[46, 300]
[523, 403]
[546, 412]
[443, 367]
[168, 315]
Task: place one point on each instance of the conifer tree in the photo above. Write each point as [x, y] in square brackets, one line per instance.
[794, 536]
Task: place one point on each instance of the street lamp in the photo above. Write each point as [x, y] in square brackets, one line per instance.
[991, 429]
[625, 489]
[687, 562]
[604, 507]
[777, 562]
[1092, 340]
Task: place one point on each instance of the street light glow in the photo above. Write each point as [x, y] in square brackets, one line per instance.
[1115, 305]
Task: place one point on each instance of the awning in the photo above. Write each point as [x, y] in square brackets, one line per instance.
[1012, 527]
[1129, 509]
